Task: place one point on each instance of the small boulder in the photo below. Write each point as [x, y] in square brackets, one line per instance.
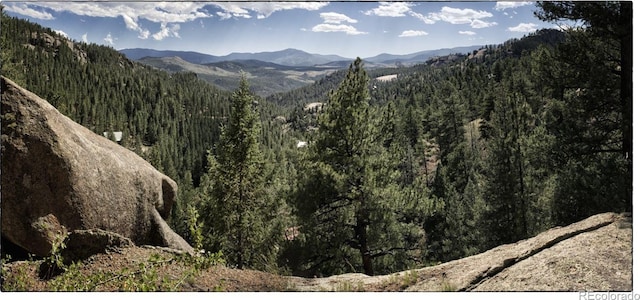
[82, 244]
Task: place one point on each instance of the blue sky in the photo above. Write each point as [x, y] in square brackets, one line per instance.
[348, 29]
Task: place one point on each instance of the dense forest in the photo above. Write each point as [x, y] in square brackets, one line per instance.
[451, 158]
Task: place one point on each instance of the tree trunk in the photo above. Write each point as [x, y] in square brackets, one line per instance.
[240, 212]
[626, 88]
[361, 236]
[367, 260]
[517, 111]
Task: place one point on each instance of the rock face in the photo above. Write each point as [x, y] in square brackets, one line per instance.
[53, 43]
[59, 177]
[591, 255]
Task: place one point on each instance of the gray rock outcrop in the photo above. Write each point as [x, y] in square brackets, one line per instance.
[59, 177]
[591, 255]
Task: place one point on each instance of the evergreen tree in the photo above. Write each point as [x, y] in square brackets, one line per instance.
[504, 193]
[349, 208]
[237, 215]
[590, 113]
[449, 226]
[10, 66]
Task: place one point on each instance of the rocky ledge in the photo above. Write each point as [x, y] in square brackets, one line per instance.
[591, 255]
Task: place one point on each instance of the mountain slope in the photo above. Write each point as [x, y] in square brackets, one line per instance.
[265, 78]
[419, 57]
[189, 56]
[287, 57]
[102, 90]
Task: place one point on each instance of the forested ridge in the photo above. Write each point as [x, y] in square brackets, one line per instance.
[451, 158]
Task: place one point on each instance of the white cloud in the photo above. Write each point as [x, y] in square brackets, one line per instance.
[482, 24]
[398, 9]
[109, 39]
[84, 38]
[167, 31]
[26, 10]
[132, 24]
[144, 34]
[412, 33]
[333, 23]
[348, 29]
[446, 14]
[425, 19]
[460, 16]
[262, 9]
[502, 5]
[232, 10]
[131, 12]
[336, 18]
[157, 12]
[228, 15]
[390, 9]
[467, 32]
[524, 27]
[62, 33]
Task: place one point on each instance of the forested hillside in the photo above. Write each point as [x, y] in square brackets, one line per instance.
[451, 158]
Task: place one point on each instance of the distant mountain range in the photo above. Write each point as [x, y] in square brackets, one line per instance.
[287, 57]
[419, 57]
[271, 72]
[295, 58]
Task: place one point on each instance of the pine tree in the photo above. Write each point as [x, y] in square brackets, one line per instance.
[505, 192]
[236, 214]
[347, 198]
[10, 66]
[590, 115]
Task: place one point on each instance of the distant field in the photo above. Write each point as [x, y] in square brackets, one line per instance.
[387, 77]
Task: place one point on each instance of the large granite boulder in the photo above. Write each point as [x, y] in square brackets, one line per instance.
[59, 177]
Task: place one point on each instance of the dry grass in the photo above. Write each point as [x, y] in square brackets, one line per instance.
[599, 259]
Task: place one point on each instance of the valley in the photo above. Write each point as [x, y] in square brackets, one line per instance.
[265, 78]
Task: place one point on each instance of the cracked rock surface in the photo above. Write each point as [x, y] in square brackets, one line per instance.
[590, 255]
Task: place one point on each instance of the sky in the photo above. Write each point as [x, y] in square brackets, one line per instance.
[348, 29]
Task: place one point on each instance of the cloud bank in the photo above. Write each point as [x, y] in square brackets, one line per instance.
[446, 14]
[167, 14]
[261, 9]
[332, 22]
[524, 27]
[502, 5]
[412, 33]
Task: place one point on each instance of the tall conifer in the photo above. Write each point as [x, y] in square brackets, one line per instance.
[348, 199]
[236, 213]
